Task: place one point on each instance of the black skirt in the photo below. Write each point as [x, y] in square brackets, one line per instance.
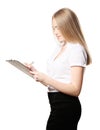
[65, 112]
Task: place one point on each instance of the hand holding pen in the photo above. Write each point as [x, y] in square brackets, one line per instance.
[30, 66]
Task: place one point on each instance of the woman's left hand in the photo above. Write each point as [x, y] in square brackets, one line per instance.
[38, 76]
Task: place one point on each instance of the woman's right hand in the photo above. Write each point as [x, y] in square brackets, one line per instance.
[30, 66]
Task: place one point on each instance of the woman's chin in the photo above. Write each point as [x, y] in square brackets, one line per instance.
[62, 43]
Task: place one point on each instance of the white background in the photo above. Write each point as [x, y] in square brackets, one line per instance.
[26, 35]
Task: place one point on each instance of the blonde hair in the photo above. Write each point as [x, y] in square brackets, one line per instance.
[69, 25]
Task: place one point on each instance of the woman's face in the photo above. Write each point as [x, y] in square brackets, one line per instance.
[57, 32]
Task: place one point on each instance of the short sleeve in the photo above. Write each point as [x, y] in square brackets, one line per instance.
[78, 57]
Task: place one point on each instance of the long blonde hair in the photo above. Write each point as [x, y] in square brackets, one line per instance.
[69, 25]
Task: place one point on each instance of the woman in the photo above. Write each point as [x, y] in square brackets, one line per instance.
[65, 71]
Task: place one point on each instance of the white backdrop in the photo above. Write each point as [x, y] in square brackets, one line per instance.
[26, 35]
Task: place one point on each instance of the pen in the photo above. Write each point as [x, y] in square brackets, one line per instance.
[32, 63]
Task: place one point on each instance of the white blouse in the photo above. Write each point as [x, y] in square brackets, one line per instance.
[60, 68]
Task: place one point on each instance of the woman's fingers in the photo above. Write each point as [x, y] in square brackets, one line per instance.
[35, 75]
[27, 65]
[30, 66]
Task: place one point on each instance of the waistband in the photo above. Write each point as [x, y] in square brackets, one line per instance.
[55, 97]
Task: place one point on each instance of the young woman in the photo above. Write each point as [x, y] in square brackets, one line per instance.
[65, 71]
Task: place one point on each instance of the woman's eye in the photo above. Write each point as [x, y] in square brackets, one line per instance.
[55, 28]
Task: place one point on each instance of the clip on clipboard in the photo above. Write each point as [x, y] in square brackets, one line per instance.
[20, 66]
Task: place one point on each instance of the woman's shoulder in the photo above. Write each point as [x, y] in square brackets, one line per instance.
[75, 46]
[78, 55]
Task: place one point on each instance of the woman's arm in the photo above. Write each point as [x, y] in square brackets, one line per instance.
[73, 88]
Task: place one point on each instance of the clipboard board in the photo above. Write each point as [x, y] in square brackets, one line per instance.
[20, 66]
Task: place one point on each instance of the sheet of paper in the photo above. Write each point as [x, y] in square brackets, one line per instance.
[20, 66]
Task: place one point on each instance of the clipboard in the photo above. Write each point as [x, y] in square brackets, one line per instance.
[20, 66]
